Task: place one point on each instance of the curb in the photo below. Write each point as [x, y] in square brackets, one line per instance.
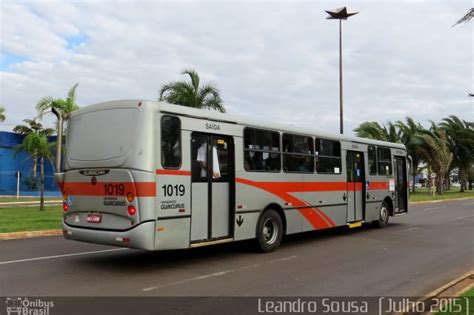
[452, 284]
[29, 234]
[29, 203]
[453, 288]
[437, 201]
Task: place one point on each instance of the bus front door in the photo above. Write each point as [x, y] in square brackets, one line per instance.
[212, 187]
[355, 186]
[401, 185]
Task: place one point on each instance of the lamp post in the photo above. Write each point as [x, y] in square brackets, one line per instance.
[340, 14]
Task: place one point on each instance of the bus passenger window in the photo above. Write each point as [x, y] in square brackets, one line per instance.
[328, 156]
[261, 150]
[384, 164]
[170, 142]
[298, 154]
[372, 160]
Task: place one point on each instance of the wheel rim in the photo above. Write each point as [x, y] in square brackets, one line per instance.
[383, 214]
[270, 230]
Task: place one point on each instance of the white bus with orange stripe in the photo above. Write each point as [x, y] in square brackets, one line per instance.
[156, 176]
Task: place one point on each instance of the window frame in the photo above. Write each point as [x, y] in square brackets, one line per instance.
[384, 161]
[327, 156]
[180, 143]
[312, 155]
[261, 150]
[375, 160]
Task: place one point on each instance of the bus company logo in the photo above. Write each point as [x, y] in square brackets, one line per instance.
[94, 172]
[23, 306]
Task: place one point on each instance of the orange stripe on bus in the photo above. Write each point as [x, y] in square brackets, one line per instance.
[313, 215]
[378, 186]
[173, 172]
[140, 189]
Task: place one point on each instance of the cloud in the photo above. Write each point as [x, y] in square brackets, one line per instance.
[274, 60]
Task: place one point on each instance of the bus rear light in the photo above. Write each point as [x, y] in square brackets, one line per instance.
[131, 210]
[122, 239]
[65, 197]
[182, 210]
[130, 197]
[65, 207]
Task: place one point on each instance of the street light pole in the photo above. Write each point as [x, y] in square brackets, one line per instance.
[340, 14]
[341, 102]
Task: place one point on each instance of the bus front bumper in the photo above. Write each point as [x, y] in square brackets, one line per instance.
[140, 237]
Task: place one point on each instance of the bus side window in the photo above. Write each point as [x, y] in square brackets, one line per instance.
[298, 153]
[384, 161]
[372, 161]
[328, 156]
[261, 150]
[170, 142]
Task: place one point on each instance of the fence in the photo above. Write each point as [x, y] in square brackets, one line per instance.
[29, 184]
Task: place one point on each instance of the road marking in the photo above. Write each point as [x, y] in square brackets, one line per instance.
[217, 274]
[434, 208]
[60, 256]
[460, 218]
[406, 230]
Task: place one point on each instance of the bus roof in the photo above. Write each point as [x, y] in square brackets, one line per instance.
[237, 119]
[248, 121]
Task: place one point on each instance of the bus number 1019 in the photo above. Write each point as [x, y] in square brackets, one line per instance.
[173, 190]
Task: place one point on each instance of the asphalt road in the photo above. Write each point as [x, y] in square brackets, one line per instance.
[415, 254]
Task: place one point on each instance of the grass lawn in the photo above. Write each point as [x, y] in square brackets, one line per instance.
[422, 194]
[13, 199]
[17, 219]
[470, 295]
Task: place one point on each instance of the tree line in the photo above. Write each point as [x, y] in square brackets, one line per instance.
[442, 147]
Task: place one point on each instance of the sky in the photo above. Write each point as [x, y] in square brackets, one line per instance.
[272, 60]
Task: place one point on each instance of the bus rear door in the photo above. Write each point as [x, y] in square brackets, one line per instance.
[401, 185]
[355, 186]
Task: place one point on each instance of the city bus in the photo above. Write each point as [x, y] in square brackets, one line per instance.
[155, 176]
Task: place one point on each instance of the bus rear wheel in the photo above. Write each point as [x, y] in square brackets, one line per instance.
[383, 216]
[269, 231]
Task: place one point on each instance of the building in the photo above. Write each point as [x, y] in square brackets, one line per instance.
[12, 162]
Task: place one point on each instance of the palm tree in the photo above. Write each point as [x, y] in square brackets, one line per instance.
[65, 106]
[461, 143]
[373, 130]
[466, 18]
[435, 151]
[408, 133]
[37, 145]
[191, 94]
[2, 114]
[32, 126]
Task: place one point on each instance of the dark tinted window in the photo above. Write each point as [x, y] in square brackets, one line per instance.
[298, 154]
[328, 156]
[384, 161]
[262, 150]
[372, 161]
[170, 142]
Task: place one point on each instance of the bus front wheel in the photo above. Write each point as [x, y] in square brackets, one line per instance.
[383, 216]
[269, 231]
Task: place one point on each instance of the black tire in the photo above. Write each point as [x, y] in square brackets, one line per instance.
[269, 231]
[384, 213]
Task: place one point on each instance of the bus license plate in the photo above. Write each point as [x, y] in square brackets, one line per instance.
[94, 218]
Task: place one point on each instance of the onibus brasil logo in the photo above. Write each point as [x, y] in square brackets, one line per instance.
[26, 306]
